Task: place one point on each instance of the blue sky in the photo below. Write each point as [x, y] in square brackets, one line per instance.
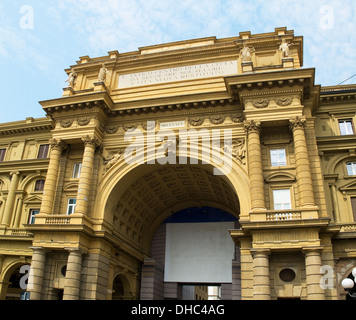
[39, 39]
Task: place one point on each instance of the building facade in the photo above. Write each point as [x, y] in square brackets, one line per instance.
[201, 162]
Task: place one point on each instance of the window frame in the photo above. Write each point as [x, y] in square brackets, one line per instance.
[344, 120]
[32, 215]
[41, 185]
[285, 157]
[43, 154]
[71, 206]
[77, 171]
[282, 188]
[2, 154]
[353, 167]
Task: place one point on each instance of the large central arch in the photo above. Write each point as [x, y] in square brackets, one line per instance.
[138, 198]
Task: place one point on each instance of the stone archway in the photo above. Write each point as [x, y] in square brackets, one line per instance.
[149, 194]
[121, 288]
[137, 208]
[14, 282]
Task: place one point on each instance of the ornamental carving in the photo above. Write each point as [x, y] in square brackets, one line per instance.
[111, 129]
[130, 126]
[57, 144]
[196, 121]
[260, 104]
[110, 161]
[237, 117]
[149, 125]
[66, 123]
[217, 119]
[83, 121]
[91, 141]
[252, 126]
[284, 101]
[236, 149]
[298, 122]
[170, 145]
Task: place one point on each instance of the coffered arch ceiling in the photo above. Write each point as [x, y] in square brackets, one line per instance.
[140, 203]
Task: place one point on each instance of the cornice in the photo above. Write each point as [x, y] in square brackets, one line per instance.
[27, 126]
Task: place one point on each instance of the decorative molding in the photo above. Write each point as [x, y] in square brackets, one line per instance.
[66, 123]
[237, 150]
[83, 121]
[111, 129]
[217, 119]
[91, 141]
[261, 103]
[110, 161]
[196, 121]
[57, 144]
[297, 122]
[284, 101]
[252, 126]
[237, 117]
[130, 126]
[146, 127]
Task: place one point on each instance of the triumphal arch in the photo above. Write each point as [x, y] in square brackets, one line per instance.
[201, 162]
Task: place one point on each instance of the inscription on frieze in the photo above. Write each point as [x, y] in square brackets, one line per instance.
[199, 71]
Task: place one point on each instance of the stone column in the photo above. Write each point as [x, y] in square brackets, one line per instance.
[313, 275]
[18, 212]
[337, 216]
[35, 279]
[252, 129]
[261, 277]
[85, 178]
[10, 202]
[57, 146]
[73, 274]
[3, 284]
[303, 173]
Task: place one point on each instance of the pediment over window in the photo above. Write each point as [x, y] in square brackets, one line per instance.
[71, 186]
[351, 186]
[280, 177]
[33, 199]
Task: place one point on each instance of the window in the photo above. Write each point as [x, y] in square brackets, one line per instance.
[71, 205]
[278, 157]
[43, 151]
[281, 199]
[76, 170]
[33, 212]
[351, 168]
[346, 127]
[353, 205]
[39, 185]
[2, 154]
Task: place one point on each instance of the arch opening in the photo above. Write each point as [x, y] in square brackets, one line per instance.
[151, 197]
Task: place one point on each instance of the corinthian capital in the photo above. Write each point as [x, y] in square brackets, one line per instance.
[297, 122]
[252, 126]
[91, 141]
[57, 144]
